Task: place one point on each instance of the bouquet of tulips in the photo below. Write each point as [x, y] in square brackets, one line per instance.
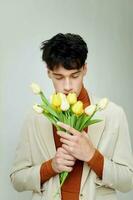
[67, 109]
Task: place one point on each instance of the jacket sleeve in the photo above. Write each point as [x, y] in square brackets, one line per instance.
[118, 171]
[24, 175]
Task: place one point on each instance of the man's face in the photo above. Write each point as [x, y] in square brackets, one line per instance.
[66, 81]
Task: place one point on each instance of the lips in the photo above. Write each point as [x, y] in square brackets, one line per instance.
[67, 92]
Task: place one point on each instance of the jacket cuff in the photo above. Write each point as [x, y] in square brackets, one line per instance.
[26, 179]
[96, 163]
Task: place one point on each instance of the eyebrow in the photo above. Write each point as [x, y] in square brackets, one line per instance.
[58, 74]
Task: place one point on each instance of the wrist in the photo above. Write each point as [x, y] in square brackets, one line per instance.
[53, 166]
[90, 155]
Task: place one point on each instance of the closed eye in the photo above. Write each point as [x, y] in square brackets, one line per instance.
[75, 76]
[58, 78]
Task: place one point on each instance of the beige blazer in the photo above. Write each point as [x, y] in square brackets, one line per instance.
[110, 136]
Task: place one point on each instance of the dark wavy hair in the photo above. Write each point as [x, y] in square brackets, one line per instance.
[68, 50]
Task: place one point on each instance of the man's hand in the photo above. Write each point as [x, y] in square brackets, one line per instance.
[63, 161]
[76, 143]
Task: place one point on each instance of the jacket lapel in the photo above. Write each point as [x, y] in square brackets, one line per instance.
[94, 133]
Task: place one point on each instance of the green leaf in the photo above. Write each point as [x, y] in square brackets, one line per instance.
[93, 121]
[73, 120]
[47, 106]
[90, 122]
[50, 117]
[50, 110]
[81, 121]
[44, 99]
[63, 177]
[61, 116]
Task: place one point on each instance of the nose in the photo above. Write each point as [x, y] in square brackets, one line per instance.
[67, 86]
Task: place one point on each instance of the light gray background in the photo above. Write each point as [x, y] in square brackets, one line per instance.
[107, 27]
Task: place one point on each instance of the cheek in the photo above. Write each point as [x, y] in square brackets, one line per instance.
[77, 85]
[57, 85]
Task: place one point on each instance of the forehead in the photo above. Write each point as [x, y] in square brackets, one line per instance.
[65, 72]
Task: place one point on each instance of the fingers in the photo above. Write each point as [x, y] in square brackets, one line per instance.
[69, 157]
[68, 128]
[67, 163]
[65, 135]
[65, 154]
[60, 149]
[59, 165]
[63, 161]
[66, 169]
[68, 148]
[67, 142]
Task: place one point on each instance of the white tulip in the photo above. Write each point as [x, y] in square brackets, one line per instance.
[35, 88]
[37, 108]
[89, 110]
[62, 96]
[102, 104]
[64, 105]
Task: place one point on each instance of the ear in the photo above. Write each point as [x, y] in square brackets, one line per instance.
[49, 73]
[85, 69]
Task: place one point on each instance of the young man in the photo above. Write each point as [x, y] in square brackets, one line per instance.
[99, 160]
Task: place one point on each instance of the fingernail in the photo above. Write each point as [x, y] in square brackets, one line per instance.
[59, 123]
[59, 132]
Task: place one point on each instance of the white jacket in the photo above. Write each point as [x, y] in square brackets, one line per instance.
[110, 136]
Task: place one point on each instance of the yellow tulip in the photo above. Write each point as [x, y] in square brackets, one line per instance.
[61, 95]
[55, 100]
[58, 109]
[72, 98]
[77, 108]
